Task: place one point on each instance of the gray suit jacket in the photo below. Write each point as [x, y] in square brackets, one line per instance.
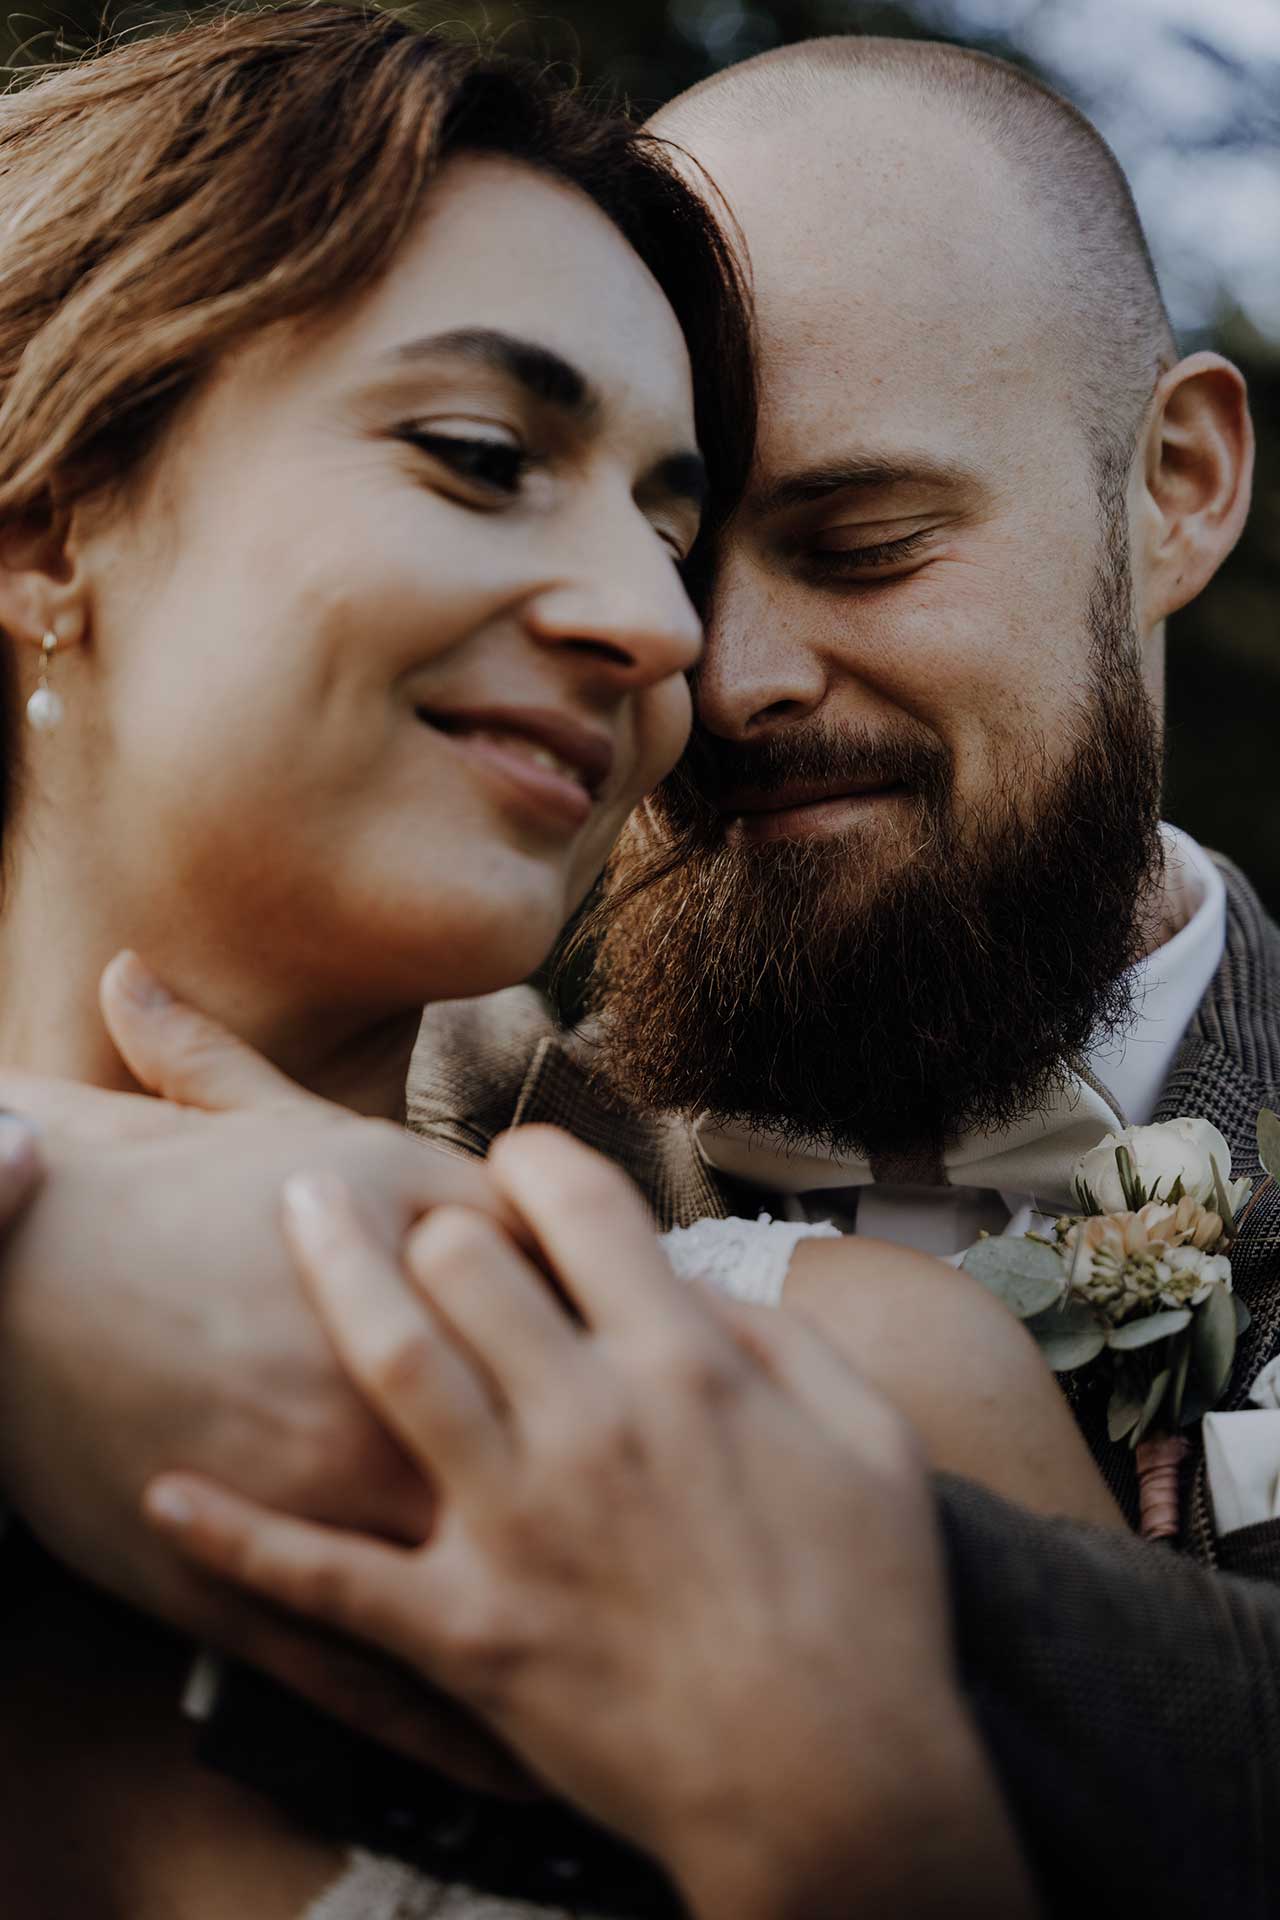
[1130, 1698]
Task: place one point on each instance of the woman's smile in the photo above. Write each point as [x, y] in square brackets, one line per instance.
[545, 763]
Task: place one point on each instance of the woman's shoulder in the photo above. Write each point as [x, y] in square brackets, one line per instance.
[854, 1284]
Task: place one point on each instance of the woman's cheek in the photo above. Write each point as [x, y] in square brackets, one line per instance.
[664, 719]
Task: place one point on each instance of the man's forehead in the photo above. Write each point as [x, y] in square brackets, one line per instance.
[867, 153]
[897, 267]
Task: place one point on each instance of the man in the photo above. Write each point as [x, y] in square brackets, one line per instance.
[986, 697]
[903, 938]
[902, 935]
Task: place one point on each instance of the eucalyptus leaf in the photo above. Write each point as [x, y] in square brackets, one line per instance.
[1143, 1333]
[1151, 1406]
[1213, 1339]
[1269, 1142]
[1069, 1336]
[1244, 1319]
[1124, 1410]
[1027, 1275]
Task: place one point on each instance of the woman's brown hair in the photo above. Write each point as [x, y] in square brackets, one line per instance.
[165, 199]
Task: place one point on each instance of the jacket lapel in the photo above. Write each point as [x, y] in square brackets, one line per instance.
[1225, 1070]
[658, 1152]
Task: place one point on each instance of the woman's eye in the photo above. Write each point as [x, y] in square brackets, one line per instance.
[488, 461]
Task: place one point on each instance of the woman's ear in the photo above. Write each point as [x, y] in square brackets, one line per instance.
[1197, 469]
[42, 588]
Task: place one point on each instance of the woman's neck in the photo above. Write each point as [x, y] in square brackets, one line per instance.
[56, 939]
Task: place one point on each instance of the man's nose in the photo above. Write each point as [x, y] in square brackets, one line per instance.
[757, 672]
[625, 611]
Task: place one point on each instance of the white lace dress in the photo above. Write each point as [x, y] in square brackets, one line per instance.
[747, 1259]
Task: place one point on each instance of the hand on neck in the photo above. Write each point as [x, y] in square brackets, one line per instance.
[55, 942]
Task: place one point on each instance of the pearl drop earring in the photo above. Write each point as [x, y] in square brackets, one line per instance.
[44, 708]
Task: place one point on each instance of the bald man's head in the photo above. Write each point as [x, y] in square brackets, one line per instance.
[898, 877]
[811, 104]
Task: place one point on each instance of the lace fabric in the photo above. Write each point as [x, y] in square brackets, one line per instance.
[375, 1888]
[747, 1259]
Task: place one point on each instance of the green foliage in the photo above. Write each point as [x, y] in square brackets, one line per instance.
[1135, 1196]
[1069, 1335]
[1172, 1367]
[1143, 1333]
[1269, 1142]
[1151, 1406]
[1027, 1275]
[1213, 1342]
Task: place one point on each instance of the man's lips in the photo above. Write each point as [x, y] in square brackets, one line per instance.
[801, 808]
[802, 793]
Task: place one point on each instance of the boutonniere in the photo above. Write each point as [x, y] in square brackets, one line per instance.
[1138, 1280]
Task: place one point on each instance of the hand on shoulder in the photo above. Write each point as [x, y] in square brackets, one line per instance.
[957, 1365]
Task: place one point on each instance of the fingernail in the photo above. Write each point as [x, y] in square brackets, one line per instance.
[168, 1501]
[140, 984]
[17, 1143]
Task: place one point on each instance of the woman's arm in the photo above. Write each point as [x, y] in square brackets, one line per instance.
[684, 1563]
[958, 1366]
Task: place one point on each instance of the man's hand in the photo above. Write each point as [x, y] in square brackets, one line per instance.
[150, 1313]
[685, 1563]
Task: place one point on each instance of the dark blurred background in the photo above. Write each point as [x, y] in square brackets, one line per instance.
[1188, 94]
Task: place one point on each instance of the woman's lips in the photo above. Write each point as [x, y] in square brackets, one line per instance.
[541, 778]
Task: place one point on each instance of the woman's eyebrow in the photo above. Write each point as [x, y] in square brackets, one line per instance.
[679, 476]
[541, 372]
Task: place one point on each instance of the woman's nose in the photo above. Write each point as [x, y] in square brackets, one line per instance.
[630, 617]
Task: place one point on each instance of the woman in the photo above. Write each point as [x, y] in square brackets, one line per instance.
[356, 399]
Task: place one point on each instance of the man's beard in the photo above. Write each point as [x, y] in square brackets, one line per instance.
[882, 1007]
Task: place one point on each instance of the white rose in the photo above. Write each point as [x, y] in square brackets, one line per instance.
[1160, 1154]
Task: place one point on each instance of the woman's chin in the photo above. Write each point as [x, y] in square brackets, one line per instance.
[395, 939]
[485, 958]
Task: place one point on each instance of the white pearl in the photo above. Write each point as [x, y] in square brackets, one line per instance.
[44, 710]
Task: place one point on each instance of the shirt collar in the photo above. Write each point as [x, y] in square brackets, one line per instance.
[1169, 984]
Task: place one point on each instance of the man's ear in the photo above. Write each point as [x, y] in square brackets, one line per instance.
[41, 580]
[1197, 475]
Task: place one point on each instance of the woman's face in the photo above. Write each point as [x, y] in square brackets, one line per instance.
[392, 637]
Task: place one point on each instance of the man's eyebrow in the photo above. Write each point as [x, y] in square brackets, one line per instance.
[542, 373]
[858, 473]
